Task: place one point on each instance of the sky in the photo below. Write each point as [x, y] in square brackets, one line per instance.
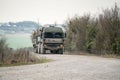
[50, 11]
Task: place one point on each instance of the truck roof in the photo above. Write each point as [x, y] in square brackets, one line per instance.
[53, 29]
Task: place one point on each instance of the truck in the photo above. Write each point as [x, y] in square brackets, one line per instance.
[50, 39]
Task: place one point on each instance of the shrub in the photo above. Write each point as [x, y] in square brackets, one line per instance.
[97, 35]
[19, 56]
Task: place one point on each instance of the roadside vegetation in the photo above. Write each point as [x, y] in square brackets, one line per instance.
[10, 57]
[98, 35]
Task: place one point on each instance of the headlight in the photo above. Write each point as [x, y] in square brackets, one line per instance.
[45, 45]
[61, 45]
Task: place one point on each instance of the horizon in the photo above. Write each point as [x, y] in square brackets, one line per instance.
[50, 11]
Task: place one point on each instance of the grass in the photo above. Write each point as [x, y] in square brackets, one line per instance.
[10, 57]
[111, 56]
[20, 57]
[92, 54]
[30, 63]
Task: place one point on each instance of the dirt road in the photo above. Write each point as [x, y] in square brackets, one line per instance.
[66, 67]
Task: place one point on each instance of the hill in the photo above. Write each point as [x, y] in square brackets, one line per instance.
[18, 27]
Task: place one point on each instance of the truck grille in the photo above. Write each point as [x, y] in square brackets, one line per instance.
[53, 45]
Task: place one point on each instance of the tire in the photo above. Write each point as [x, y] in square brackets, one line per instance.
[60, 51]
[36, 50]
[39, 51]
[43, 51]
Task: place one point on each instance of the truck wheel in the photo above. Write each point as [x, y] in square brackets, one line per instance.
[39, 51]
[60, 51]
[36, 50]
[43, 51]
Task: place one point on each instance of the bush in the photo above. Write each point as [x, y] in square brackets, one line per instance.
[19, 56]
[97, 35]
[3, 47]
[108, 36]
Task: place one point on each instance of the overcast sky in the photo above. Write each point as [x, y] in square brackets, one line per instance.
[50, 11]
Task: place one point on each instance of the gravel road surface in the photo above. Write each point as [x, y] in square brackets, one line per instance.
[65, 67]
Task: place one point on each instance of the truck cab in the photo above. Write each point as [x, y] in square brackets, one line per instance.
[52, 40]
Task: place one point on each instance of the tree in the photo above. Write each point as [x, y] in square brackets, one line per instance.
[108, 36]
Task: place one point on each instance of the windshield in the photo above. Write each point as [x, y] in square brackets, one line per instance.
[53, 35]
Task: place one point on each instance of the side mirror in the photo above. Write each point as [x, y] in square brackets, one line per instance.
[34, 45]
[65, 34]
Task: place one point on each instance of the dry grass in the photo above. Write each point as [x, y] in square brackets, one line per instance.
[76, 53]
[10, 57]
[92, 54]
[19, 57]
[111, 56]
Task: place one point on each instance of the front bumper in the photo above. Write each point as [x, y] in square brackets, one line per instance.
[53, 47]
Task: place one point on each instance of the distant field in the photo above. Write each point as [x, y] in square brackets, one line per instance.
[18, 40]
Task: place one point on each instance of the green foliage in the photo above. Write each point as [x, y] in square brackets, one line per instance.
[100, 35]
[109, 26]
[91, 33]
[77, 32]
